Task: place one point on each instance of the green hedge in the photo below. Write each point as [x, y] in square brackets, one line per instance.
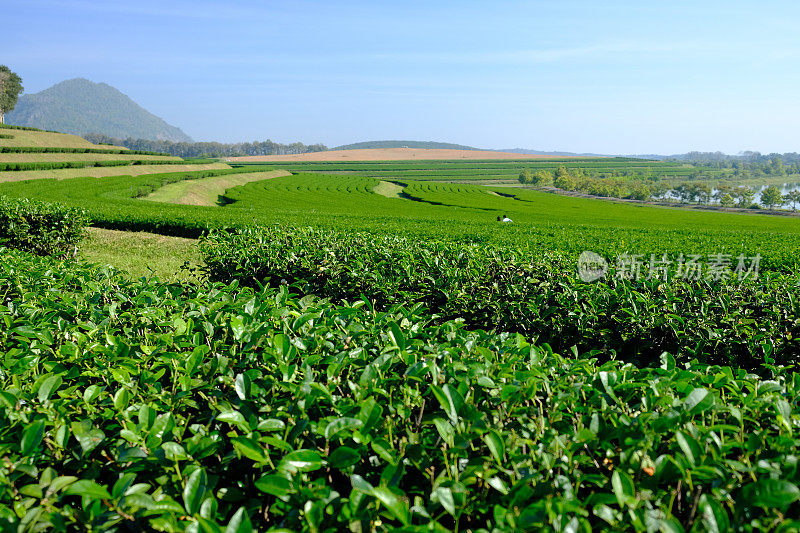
[57, 150]
[26, 128]
[4, 136]
[742, 323]
[55, 165]
[40, 228]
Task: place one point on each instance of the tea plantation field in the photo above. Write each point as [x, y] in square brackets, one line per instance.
[485, 170]
[344, 360]
[464, 213]
[137, 404]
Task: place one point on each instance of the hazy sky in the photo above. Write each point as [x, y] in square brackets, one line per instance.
[587, 76]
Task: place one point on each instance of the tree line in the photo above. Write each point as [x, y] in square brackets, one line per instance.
[208, 149]
[580, 180]
[746, 164]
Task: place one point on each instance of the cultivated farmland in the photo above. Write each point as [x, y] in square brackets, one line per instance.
[364, 346]
[389, 154]
[27, 138]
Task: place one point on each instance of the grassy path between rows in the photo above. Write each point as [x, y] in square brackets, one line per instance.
[206, 191]
[141, 254]
[388, 189]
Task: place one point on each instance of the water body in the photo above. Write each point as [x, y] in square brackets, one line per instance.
[785, 188]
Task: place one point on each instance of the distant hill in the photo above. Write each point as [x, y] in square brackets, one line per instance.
[369, 145]
[541, 152]
[445, 146]
[80, 107]
[657, 157]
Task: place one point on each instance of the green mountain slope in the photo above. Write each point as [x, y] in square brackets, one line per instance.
[80, 106]
[403, 144]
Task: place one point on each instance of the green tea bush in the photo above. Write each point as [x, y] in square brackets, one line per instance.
[111, 202]
[58, 150]
[40, 228]
[743, 323]
[4, 136]
[136, 405]
[11, 127]
[53, 165]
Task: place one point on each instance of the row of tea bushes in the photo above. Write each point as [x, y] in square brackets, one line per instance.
[729, 321]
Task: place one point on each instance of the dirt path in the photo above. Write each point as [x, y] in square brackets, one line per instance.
[206, 191]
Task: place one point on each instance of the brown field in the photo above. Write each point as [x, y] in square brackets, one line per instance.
[392, 154]
[50, 140]
[64, 157]
[103, 172]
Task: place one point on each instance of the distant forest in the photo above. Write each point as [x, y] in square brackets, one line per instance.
[731, 160]
[746, 164]
[208, 149]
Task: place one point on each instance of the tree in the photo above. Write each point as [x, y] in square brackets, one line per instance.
[701, 192]
[641, 192]
[660, 190]
[792, 198]
[543, 178]
[683, 192]
[562, 172]
[727, 200]
[744, 195]
[525, 176]
[721, 191]
[771, 196]
[10, 87]
[563, 179]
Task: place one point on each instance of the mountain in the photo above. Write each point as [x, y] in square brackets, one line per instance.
[403, 144]
[80, 106]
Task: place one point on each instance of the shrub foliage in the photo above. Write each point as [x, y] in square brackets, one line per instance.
[141, 405]
[40, 228]
[732, 321]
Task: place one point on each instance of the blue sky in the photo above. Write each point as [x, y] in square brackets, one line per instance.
[586, 76]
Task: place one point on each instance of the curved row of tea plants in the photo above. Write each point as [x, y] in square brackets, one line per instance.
[138, 405]
[112, 202]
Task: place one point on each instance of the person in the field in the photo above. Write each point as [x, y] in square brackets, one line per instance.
[506, 219]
